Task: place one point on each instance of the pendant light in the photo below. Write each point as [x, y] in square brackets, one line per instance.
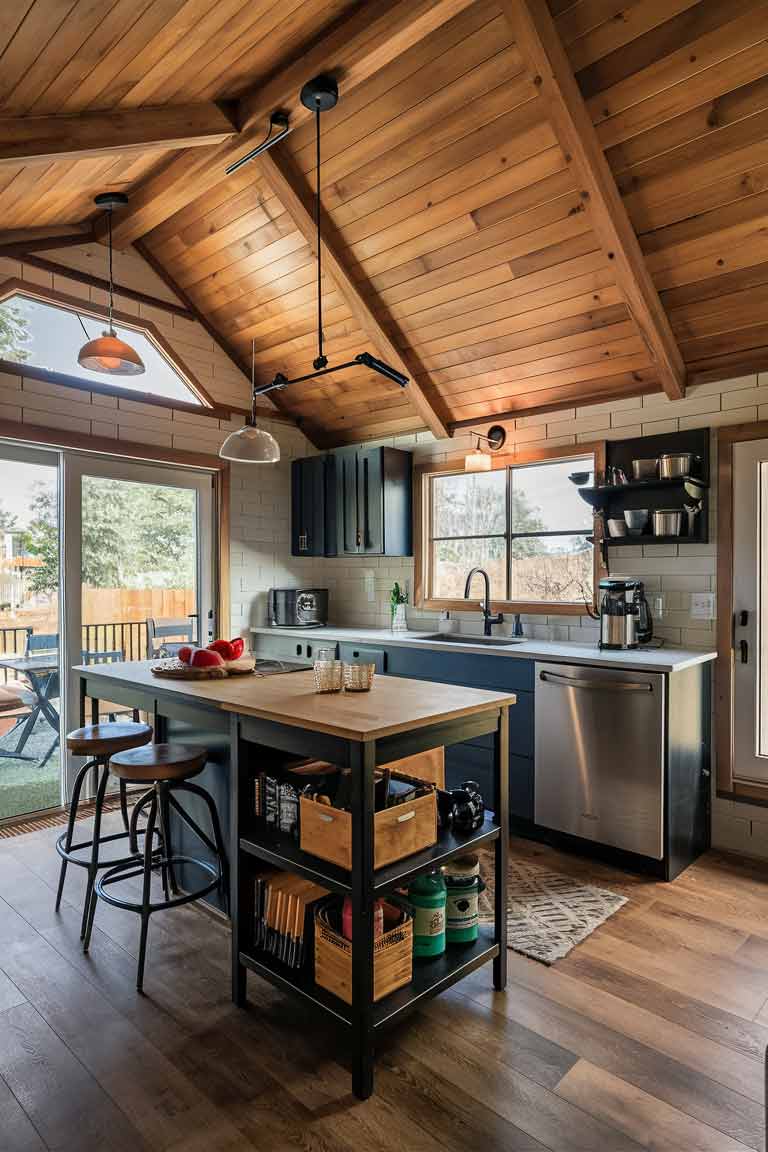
[108, 353]
[318, 95]
[251, 445]
[478, 461]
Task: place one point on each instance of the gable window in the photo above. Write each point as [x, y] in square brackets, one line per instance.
[525, 524]
[45, 333]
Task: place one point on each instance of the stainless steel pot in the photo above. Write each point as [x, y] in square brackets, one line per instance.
[667, 521]
[673, 464]
[645, 469]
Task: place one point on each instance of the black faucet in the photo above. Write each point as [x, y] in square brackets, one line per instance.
[488, 618]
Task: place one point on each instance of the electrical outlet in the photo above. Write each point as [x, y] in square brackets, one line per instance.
[370, 585]
[703, 605]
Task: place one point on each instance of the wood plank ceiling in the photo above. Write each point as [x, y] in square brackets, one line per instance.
[455, 207]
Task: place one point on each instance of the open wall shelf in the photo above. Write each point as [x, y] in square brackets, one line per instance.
[612, 500]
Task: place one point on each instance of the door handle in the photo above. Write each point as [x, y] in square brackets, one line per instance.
[602, 685]
[744, 651]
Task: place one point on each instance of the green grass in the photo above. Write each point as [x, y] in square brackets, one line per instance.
[24, 785]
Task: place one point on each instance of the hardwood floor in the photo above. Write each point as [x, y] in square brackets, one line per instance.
[649, 1035]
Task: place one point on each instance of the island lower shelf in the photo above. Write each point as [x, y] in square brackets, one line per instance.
[429, 978]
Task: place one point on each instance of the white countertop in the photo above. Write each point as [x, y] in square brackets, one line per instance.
[648, 659]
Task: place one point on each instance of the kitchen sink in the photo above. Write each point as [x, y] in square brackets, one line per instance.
[496, 641]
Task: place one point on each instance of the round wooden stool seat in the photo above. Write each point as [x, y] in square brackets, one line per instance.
[156, 762]
[103, 739]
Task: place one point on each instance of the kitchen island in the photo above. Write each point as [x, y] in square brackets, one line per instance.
[240, 721]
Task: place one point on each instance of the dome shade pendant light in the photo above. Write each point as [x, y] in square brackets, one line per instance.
[251, 445]
[108, 353]
[320, 95]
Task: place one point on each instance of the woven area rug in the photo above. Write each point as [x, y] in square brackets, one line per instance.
[548, 914]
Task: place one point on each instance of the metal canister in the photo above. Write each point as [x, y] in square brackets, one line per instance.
[463, 886]
[427, 896]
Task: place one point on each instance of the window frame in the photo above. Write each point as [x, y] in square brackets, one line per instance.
[206, 406]
[423, 538]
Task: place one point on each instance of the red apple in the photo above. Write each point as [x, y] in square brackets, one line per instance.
[238, 646]
[205, 658]
[224, 649]
[185, 653]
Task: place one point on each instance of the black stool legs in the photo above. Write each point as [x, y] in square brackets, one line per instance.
[158, 802]
[66, 847]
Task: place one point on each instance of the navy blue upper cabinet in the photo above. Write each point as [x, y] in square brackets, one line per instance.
[373, 502]
[313, 506]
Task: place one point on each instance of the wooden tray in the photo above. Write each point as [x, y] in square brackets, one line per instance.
[174, 669]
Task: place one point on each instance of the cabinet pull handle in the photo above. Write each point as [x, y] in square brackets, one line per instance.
[358, 538]
[406, 816]
[303, 542]
[326, 819]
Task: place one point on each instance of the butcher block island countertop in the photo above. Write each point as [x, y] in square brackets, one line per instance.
[394, 704]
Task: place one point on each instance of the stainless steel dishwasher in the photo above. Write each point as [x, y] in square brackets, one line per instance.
[600, 755]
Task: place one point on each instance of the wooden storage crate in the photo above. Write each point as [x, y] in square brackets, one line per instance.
[397, 832]
[429, 765]
[392, 960]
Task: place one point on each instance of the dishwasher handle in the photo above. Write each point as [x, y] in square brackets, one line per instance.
[603, 685]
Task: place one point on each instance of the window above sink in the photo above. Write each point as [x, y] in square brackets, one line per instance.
[523, 521]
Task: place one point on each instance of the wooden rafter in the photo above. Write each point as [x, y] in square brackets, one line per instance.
[26, 139]
[19, 241]
[278, 412]
[540, 46]
[377, 33]
[284, 182]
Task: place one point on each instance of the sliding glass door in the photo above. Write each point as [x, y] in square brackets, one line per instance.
[30, 650]
[139, 561]
[101, 560]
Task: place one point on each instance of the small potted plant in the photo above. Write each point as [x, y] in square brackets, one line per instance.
[398, 598]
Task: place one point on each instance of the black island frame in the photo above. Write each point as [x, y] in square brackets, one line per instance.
[239, 741]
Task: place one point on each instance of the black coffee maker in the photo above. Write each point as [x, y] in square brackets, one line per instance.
[624, 614]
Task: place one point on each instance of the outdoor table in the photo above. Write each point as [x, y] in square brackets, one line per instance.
[42, 674]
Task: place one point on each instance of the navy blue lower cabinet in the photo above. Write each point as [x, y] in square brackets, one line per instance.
[473, 759]
[521, 786]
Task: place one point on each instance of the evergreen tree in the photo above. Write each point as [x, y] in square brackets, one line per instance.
[14, 333]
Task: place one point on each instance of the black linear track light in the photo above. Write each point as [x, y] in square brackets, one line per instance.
[318, 95]
[382, 368]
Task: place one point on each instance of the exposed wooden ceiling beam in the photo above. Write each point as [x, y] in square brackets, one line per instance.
[28, 139]
[275, 413]
[537, 38]
[377, 32]
[286, 183]
[19, 241]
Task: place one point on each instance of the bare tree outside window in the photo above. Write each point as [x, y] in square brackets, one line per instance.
[526, 525]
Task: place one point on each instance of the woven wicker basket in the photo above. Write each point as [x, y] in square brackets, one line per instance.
[392, 958]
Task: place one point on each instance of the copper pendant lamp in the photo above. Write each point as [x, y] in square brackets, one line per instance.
[108, 353]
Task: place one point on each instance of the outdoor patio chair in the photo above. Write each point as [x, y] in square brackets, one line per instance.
[182, 631]
[38, 642]
[109, 656]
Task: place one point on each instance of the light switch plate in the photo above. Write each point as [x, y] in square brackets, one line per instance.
[703, 605]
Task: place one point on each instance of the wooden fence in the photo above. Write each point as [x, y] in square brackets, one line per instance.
[107, 604]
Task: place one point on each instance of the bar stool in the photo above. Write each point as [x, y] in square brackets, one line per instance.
[167, 768]
[98, 742]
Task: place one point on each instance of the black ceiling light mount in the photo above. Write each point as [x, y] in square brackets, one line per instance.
[318, 95]
[279, 120]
